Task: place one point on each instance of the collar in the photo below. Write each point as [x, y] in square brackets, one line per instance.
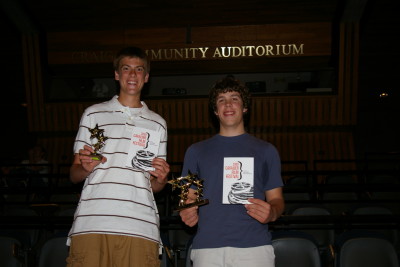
[127, 111]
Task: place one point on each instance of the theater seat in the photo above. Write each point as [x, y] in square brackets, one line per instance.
[364, 249]
[54, 252]
[9, 252]
[295, 249]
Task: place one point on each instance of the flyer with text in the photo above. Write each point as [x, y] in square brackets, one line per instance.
[143, 148]
[238, 180]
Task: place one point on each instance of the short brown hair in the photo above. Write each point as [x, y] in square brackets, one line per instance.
[131, 52]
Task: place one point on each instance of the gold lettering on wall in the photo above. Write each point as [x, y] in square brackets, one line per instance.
[197, 53]
[92, 56]
[165, 54]
[208, 43]
[177, 54]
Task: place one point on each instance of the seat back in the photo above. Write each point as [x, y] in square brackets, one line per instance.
[8, 246]
[27, 235]
[295, 249]
[375, 210]
[54, 253]
[338, 191]
[389, 182]
[366, 252]
[340, 179]
[298, 180]
[323, 235]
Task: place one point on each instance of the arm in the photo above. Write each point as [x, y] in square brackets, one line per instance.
[159, 176]
[269, 210]
[83, 165]
[190, 216]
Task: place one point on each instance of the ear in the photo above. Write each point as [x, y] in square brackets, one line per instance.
[116, 75]
[244, 110]
[146, 78]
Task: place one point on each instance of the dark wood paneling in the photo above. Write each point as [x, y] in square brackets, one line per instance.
[100, 46]
[304, 127]
[301, 127]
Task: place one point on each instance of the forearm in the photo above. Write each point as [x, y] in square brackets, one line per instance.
[78, 173]
[156, 185]
[159, 176]
[277, 208]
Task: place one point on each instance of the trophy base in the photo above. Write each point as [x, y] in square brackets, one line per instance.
[189, 205]
[95, 156]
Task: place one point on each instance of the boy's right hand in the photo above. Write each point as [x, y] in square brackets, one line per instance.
[86, 160]
[190, 216]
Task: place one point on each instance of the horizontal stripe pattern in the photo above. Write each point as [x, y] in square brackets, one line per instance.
[117, 199]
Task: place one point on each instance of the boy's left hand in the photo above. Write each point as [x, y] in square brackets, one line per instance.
[161, 170]
[259, 210]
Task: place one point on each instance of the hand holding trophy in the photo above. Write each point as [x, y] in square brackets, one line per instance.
[184, 183]
[99, 135]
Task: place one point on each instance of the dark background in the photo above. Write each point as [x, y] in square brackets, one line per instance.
[378, 117]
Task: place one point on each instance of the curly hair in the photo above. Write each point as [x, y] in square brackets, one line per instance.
[229, 84]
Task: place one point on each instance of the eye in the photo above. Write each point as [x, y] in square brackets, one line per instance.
[125, 68]
[140, 69]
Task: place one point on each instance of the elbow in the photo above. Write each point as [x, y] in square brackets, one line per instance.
[74, 181]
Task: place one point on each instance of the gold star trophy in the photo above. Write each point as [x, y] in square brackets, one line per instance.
[97, 134]
[184, 183]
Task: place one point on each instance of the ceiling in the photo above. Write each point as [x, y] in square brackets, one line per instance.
[44, 16]
[86, 15]
[376, 17]
[17, 17]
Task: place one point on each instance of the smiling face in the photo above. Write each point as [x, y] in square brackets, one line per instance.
[132, 75]
[230, 110]
[229, 100]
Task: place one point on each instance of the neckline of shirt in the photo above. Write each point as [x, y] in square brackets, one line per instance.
[231, 139]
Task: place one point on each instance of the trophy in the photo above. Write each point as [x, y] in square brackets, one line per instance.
[99, 135]
[184, 183]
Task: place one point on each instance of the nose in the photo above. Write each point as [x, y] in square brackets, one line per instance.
[132, 73]
[228, 103]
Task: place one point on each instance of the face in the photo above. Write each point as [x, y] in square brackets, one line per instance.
[132, 75]
[230, 109]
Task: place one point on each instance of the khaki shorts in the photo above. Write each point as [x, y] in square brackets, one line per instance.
[262, 256]
[99, 250]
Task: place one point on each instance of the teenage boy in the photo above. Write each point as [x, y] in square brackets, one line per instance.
[242, 182]
[116, 222]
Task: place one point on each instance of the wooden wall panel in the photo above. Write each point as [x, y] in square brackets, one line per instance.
[299, 135]
[304, 127]
[313, 137]
[310, 146]
[279, 111]
[100, 46]
[33, 80]
[59, 148]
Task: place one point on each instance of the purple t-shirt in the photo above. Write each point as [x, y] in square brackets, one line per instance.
[222, 225]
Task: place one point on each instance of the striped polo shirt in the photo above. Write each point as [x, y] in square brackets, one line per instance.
[117, 199]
